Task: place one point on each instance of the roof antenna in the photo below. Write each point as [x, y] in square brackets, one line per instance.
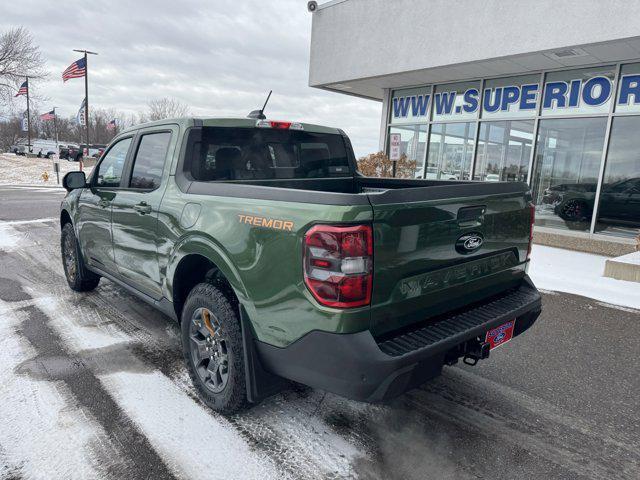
[259, 114]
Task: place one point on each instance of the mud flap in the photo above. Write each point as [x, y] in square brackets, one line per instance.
[260, 383]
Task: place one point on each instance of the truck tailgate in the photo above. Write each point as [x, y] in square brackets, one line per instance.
[439, 248]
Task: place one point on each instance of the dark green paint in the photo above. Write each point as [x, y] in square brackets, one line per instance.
[413, 244]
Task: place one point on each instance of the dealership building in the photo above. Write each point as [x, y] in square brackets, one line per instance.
[545, 92]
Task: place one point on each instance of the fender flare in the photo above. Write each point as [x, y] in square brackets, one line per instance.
[199, 244]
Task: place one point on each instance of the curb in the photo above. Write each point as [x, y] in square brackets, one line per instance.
[626, 267]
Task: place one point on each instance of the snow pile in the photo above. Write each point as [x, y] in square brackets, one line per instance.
[581, 274]
[19, 170]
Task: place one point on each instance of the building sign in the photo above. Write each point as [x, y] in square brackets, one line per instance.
[395, 146]
[456, 101]
[629, 94]
[578, 96]
[411, 105]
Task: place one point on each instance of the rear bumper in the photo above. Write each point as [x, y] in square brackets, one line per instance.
[359, 367]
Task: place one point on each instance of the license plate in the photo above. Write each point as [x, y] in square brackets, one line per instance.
[500, 335]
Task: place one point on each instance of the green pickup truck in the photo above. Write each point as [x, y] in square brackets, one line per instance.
[281, 262]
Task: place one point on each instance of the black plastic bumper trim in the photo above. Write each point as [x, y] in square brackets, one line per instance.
[356, 366]
[470, 322]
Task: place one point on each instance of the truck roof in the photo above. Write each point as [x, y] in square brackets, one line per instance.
[227, 122]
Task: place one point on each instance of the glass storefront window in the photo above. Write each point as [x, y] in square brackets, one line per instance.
[629, 89]
[511, 97]
[567, 159]
[570, 108]
[619, 210]
[412, 144]
[450, 151]
[456, 101]
[586, 91]
[410, 105]
[504, 150]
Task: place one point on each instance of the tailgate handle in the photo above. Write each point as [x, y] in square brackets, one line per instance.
[467, 214]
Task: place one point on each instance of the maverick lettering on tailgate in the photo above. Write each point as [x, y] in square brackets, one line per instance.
[266, 222]
[447, 277]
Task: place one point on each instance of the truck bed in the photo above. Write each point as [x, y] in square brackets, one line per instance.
[381, 190]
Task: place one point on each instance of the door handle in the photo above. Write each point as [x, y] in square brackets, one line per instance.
[142, 208]
[104, 203]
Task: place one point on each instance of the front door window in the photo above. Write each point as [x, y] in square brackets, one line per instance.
[110, 169]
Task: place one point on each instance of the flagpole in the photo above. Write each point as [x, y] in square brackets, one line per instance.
[55, 128]
[86, 104]
[28, 119]
[86, 97]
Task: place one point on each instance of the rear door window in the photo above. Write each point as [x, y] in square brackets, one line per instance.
[262, 154]
[149, 161]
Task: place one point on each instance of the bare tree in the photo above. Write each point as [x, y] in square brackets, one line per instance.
[19, 56]
[100, 118]
[379, 165]
[10, 132]
[162, 108]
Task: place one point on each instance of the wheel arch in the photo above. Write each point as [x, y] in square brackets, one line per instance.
[200, 260]
[65, 218]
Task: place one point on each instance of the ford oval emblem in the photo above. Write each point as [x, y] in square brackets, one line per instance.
[469, 242]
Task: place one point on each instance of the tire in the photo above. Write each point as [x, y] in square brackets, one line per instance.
[212, 345]
[79, 278]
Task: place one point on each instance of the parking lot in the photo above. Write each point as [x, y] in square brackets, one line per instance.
[93, 386]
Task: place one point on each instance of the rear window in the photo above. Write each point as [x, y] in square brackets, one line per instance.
[262, 154]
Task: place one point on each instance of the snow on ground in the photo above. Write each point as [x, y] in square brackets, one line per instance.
[166, 414]
[630, 258]
[19, 170]
[581, 274]
[9, 238]
[41, 432]
[174, 423]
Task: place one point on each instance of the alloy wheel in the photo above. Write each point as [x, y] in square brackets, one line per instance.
[209, 352]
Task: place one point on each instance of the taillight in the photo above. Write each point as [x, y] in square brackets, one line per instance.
[532, 219]
[338, 264]
[279, 125]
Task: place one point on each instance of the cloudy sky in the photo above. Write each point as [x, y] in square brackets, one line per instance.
[220, 57]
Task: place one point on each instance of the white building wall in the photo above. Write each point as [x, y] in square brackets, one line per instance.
[357, 39]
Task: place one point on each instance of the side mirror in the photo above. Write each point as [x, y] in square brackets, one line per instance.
[73, 180]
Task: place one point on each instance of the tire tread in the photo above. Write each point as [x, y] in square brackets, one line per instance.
[234, 397]
[85, 280]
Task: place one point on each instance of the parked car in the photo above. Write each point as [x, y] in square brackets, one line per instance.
[65, 149]
[76, 151]
[18, 149]
[45, 153]
[281, 262]
[574, 202]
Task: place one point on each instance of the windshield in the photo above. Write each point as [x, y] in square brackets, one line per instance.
[226, 153]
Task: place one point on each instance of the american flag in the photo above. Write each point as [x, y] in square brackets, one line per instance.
[76, 70]
[48, 116]
[111, 125]
[23, 89]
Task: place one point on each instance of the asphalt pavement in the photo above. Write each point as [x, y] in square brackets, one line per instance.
[560, 401]
[29, 203]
